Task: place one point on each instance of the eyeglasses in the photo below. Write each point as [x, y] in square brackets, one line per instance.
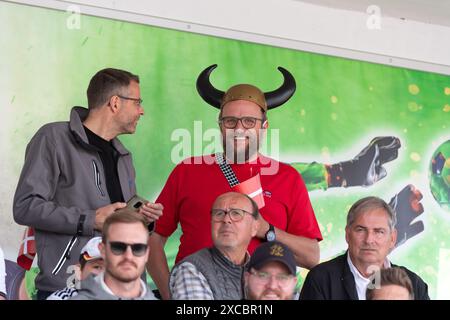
[264, 277]
[231, 122]
[138, 100]
[118, 248]
[218, 215]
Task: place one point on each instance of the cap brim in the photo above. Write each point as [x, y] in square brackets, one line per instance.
[87, 257]
[291, 269]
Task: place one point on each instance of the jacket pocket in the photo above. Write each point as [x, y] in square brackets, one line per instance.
[98, 181]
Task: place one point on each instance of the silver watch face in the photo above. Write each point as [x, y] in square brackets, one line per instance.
[270, 236]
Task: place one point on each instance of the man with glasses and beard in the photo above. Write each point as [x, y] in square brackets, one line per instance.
[286, 213]
[124, 250]
[271, 273]
[216, 273]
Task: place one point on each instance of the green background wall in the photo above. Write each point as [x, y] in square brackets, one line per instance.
[339, 106]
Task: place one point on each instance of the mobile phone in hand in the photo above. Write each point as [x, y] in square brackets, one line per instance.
[136, 202]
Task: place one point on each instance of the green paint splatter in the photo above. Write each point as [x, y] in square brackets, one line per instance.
[84, 41]
[413, 106]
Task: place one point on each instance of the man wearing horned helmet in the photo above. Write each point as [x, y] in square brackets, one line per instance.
[277, 188]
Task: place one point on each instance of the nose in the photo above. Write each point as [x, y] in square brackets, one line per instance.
[227, 218]
[370, 237]
[128, 253]
[272, 282]
[141, 110]
[239, 125]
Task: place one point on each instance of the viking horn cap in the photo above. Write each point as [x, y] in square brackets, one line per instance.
[266, 100]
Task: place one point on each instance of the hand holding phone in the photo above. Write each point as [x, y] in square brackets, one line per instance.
[152, 213]
[136, 202]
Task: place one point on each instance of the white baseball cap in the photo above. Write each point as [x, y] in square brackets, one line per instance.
[91, 251]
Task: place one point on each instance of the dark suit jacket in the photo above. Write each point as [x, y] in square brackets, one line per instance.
[333, 280]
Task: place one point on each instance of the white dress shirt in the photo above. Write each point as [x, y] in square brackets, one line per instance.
[362, 282]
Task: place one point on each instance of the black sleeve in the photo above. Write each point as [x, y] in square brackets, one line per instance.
[311, 289]
[151, 227]
[421, 290]
[419, 286]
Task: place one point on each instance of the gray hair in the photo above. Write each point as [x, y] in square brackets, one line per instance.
[255, 211]
[370, 203]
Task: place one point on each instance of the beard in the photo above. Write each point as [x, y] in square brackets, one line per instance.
[250, 295]
[240, 146]
[128, 125]
[128, 276]
[131, 126]
[268, 295]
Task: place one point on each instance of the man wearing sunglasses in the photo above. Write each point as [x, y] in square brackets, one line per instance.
[124, 250]
[195, 183]
[77, 173]
[216, 273]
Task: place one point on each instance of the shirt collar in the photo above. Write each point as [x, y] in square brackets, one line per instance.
[97, 141]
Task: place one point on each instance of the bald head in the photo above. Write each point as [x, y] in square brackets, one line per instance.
[239, 200]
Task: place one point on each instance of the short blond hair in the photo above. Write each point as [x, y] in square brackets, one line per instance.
[124, 215]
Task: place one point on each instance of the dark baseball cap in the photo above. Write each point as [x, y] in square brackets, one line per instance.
[272, 251]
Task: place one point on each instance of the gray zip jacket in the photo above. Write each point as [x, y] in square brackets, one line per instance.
[61, 186]
[94, 288]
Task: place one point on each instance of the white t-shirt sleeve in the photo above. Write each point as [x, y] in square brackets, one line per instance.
[2, 273]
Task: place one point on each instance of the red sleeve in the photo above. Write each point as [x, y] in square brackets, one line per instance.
[302, 220]
[168, 197]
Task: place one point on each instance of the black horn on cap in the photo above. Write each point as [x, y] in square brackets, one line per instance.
[279, 96]
[206, 90]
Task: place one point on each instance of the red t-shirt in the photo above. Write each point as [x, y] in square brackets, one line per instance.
[193, 185]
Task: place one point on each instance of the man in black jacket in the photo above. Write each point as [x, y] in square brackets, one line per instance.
[371, 235]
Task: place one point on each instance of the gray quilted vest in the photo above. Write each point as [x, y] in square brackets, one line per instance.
[223, 276]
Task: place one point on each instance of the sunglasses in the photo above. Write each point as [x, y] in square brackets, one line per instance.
[119, 248]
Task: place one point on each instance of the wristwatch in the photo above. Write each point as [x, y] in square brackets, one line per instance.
[270, 235]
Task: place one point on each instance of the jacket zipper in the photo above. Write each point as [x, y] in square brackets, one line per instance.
[98, 182]
[65, 255]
